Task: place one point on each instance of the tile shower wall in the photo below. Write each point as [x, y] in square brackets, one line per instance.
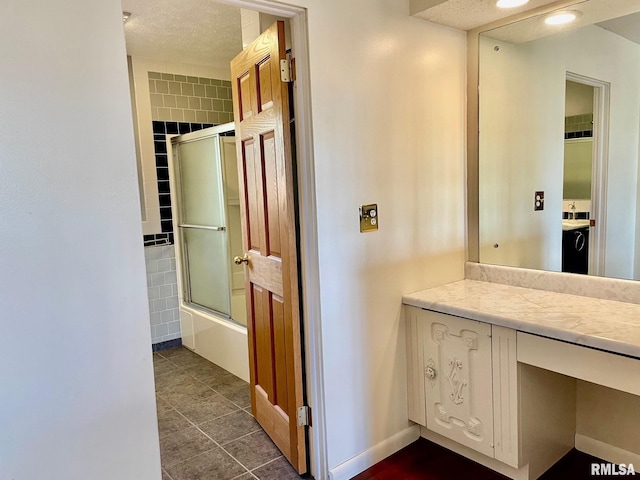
[181, 98]
[162, 285]
[578, 126]
[179, 104]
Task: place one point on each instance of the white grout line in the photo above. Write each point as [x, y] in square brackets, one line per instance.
[251, 475]
[225, 451]
[240, 409]
[167, 474]
[243, 436]
[267, 463]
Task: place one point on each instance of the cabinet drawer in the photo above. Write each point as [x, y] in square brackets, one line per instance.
[596, 366]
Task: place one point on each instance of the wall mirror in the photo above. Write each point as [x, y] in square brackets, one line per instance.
[558, 145]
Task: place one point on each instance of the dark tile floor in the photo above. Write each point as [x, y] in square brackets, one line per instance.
[205, 423]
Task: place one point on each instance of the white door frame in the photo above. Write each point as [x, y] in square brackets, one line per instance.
[309, 271]
[599, 169]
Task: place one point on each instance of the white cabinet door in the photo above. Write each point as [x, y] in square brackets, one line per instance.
[457, 362]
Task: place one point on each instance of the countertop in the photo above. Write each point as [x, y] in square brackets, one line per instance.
[592, 322]
[568, 225]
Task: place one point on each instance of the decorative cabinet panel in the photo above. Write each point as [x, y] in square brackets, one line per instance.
[458, 385]
[462, 382]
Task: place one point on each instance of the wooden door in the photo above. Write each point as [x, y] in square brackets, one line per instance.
[458, 385]
[265, 166]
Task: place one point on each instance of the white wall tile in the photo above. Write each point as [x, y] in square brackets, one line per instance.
[165, 291]
[161, 330]
[156, 318]
[152, 266]
[153, 293]
[174, 327]
[153, 253]
[164, 265]
[167, 316]
[172, 302]
[157, 279]
[159, 304]
[170, 277]
[162, 292]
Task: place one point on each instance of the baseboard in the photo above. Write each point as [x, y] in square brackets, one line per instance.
[605, 451]
[375, 454]
[176, 342]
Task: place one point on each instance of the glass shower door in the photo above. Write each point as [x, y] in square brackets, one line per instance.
[202, 224]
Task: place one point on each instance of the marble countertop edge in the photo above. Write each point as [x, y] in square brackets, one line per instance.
[468, 302]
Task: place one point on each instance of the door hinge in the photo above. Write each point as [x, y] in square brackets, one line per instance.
[288, 70]
[304, 416]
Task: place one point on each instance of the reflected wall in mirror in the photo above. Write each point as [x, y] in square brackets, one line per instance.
[536, 90]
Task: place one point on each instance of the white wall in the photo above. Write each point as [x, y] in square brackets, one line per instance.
[77, 398]
[388, 95]
[522, 101]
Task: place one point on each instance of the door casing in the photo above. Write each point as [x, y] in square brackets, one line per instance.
[308, 244]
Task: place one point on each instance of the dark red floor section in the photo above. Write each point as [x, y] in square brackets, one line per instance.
[424, 460]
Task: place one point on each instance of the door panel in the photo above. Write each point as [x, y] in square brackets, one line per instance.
[264, 90]
[208, 268]
[261, 108]
[253, 192]
[201, 183]
[270, 182]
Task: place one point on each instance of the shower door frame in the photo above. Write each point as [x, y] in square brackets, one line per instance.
[178, 214]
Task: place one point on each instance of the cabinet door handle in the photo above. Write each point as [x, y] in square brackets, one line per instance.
[580, 241]
[430, 373]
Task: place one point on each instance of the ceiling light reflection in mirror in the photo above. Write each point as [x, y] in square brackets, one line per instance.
[562, 17]
[523, 76]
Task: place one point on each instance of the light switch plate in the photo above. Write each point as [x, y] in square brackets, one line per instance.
[538, 201]
[368, 217]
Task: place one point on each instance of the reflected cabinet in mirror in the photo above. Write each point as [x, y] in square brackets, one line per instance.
[558, 146]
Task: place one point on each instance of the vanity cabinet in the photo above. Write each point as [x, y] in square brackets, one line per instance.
[463, 382]
[470, 392]
[506, 376]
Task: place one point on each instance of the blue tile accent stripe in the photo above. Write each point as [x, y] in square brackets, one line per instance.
[156, 347]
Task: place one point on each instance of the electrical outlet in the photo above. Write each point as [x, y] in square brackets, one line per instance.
[368, 217]
[538, 203]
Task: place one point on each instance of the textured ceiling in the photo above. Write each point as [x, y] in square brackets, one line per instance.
[198, 32]
[468, 14]
[593, 12]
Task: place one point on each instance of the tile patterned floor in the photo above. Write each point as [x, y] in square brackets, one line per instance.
[205, 423]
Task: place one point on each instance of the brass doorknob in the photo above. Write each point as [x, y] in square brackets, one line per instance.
[239, 260]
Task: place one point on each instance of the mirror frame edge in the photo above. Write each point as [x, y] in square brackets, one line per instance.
[473, 118]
